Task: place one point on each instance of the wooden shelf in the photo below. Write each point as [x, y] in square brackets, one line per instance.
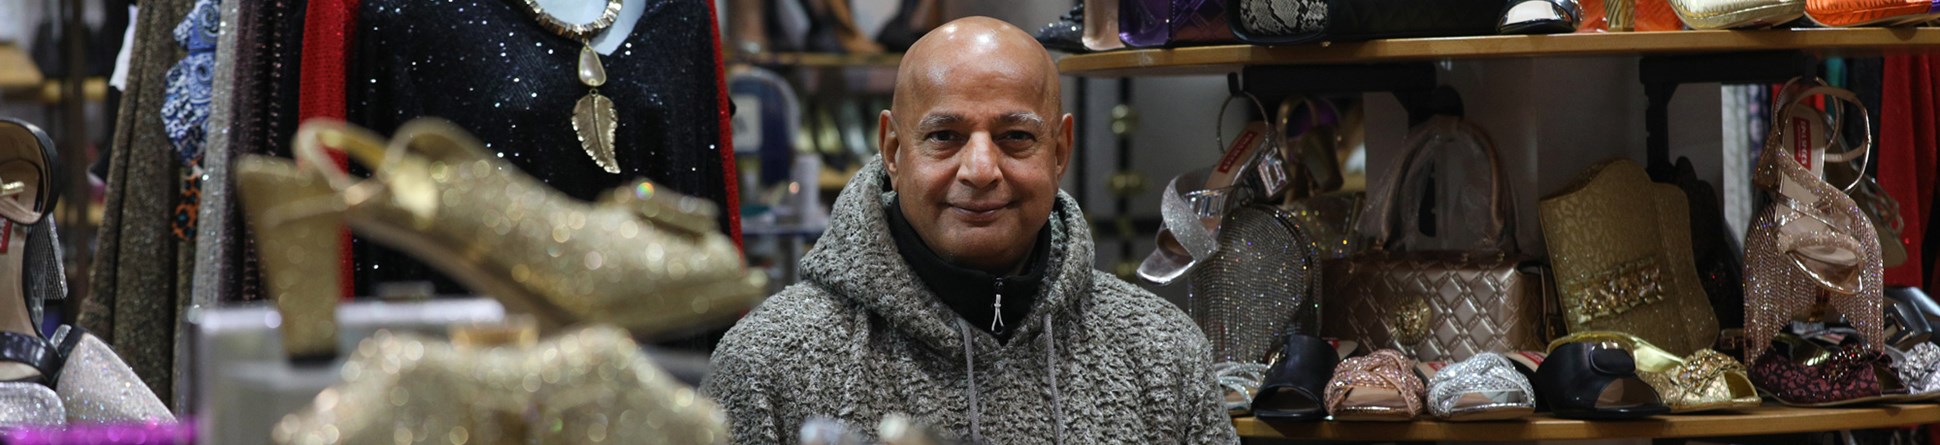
[1767, 420]
[822, 60]
[1228, 58]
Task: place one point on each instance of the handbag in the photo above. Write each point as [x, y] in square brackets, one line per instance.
[1620, 246]
[1721, 270]
[1164, 23]
[1282, 22]
[1451, 298]
[1314, 175]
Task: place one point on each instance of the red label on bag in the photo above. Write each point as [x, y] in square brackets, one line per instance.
[1802, 141]
[1246, 139]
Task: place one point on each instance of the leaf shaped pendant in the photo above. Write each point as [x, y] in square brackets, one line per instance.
[593, 117]
[594, 120]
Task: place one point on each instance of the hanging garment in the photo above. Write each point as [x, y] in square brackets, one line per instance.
[488, 66]
[327, 30]
[133, 280]
[1906, 154]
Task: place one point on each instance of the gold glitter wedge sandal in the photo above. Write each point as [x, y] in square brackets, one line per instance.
[643, 258]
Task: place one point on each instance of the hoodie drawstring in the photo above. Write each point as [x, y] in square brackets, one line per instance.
[970, 370]
[1051, 370]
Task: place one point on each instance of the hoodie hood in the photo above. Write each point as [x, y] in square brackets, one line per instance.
[858, 260]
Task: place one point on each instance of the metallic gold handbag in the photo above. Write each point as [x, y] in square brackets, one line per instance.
[1452, 300]
[1620, 246]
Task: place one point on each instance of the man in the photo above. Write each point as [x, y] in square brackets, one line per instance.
[955, 283]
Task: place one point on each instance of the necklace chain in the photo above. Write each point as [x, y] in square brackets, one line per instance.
[575, 31]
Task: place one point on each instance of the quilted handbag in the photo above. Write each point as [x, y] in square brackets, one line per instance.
[1282, 22]
[1620, 246]
[1166, 23]
[1427, 292]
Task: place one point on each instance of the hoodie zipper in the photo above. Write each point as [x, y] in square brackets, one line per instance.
[997, 307]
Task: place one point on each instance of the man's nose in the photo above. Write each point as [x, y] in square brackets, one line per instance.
[978, 167]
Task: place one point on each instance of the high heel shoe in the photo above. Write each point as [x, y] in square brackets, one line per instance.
[1812, 241]
[80, 378]
[26, 196]
[28, 362]
[644, 258]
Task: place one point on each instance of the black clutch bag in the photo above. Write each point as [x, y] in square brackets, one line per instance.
[1283, 22]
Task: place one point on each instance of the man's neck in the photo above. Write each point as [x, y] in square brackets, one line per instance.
[972, 293]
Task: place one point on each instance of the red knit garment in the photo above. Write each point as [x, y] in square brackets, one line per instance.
[326, 42]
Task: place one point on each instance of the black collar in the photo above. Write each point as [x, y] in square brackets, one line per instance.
[972, 293]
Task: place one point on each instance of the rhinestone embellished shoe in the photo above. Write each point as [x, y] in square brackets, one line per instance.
[1376, 387]
[1919, 369]
[1484, 387]
[646, 259]
[1812, 244]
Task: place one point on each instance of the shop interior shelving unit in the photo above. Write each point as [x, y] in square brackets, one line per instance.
[1405, 67]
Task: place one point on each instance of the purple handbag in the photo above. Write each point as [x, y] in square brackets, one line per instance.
[1168, 23]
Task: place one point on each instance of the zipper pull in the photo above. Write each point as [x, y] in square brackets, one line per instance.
[997, 308]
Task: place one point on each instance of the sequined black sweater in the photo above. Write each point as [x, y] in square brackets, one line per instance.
[489, 67]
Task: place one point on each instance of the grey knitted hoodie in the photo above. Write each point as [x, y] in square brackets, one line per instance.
[1098, 360]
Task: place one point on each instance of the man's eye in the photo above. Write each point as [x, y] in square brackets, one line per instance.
[943, 136]
[1019, 136]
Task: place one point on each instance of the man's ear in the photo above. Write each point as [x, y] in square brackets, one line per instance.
[886, 141]
[1067, 137]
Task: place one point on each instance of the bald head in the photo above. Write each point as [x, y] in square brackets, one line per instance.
[976, 48]
[976, 141]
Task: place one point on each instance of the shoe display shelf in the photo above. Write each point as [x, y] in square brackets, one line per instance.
[1228, 58]
[1764, 421]
[1406, 68]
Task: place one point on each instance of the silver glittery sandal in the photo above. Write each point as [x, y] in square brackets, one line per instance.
[97, 387]
[1484, 387]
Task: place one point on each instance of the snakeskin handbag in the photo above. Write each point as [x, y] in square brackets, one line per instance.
[1621, 248]
[1429, 292]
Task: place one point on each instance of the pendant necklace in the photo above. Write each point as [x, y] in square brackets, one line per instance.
[593, 116]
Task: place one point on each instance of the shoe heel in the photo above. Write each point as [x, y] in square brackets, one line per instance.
[296, 221]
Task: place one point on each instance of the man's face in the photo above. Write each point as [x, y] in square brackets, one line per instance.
[976, 155]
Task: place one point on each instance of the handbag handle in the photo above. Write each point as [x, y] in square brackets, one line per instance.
[1502, 229]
